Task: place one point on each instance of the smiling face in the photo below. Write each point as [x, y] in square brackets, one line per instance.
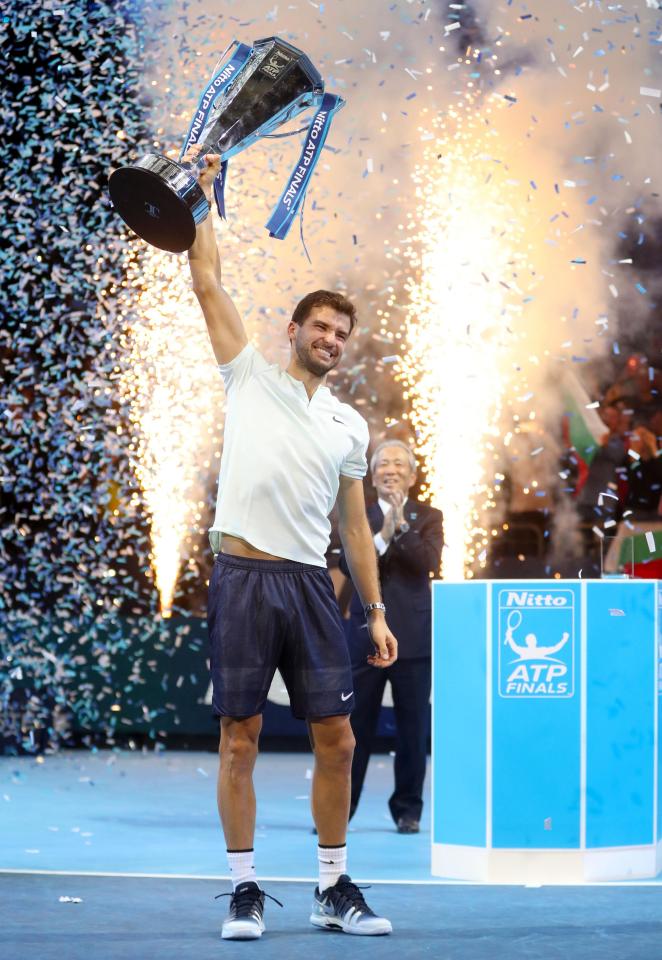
[319, 342]
[393, 472]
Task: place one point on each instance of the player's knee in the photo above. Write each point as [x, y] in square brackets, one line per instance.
[238, 747]
[337, 749]
[238, 754]
[346, 747]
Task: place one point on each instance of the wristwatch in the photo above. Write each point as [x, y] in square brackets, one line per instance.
[373, 606]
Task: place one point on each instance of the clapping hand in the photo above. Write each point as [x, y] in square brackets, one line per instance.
[394, 519]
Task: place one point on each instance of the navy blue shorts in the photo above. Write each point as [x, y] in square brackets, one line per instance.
[266, 615]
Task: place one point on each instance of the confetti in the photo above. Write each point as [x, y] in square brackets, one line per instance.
[455, 213]
[113, 409]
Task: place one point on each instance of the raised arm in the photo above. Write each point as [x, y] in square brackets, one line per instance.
[225, 327]
[359, 551]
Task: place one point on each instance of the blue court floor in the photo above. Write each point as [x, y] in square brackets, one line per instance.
[134, 838]
[155, 813]
[148, 919]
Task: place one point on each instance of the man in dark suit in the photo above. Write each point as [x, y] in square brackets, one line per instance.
[408, 537]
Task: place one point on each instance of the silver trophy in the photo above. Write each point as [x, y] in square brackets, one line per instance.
[256, 90]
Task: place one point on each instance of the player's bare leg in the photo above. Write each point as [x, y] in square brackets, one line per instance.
[333, 745]
[337, 903]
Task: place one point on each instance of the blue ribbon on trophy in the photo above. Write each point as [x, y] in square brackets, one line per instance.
[250, 95]
[223, 76]
[293, 195]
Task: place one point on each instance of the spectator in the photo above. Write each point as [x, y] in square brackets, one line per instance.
[639, 386]
[644, 474]
[599, 497]
[408, 538]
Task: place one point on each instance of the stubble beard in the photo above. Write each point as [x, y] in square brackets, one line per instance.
[309, 363]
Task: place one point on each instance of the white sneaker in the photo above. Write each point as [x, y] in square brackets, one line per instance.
[245, 919]
[343, 907]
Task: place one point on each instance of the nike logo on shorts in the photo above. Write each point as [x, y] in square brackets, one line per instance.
[346, 696]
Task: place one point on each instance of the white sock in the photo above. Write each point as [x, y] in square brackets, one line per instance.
[242, 866]
[332, 863]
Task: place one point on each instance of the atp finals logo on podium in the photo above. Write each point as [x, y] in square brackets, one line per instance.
[536, 641]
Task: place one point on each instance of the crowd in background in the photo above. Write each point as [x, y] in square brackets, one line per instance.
[625, 473]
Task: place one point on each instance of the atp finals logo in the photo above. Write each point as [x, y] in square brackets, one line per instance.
[536, 643]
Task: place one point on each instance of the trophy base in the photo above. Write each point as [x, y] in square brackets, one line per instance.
[160, 201]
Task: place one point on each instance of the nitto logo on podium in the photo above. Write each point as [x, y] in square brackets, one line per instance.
[536, 639]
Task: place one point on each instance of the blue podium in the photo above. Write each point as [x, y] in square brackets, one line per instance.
[545, 730]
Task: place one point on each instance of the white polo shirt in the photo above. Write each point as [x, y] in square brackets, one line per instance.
[283, 455]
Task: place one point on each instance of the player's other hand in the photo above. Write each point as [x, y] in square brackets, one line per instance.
[386, 646]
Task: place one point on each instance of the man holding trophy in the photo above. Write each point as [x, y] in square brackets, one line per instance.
[290, 446]
[290, 450]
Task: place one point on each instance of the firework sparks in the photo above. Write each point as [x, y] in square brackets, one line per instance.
[470, 252]
[169, 382]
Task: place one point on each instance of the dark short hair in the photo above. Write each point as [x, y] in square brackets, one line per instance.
[324, 298]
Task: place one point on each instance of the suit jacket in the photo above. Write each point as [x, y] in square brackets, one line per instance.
[404, 573]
